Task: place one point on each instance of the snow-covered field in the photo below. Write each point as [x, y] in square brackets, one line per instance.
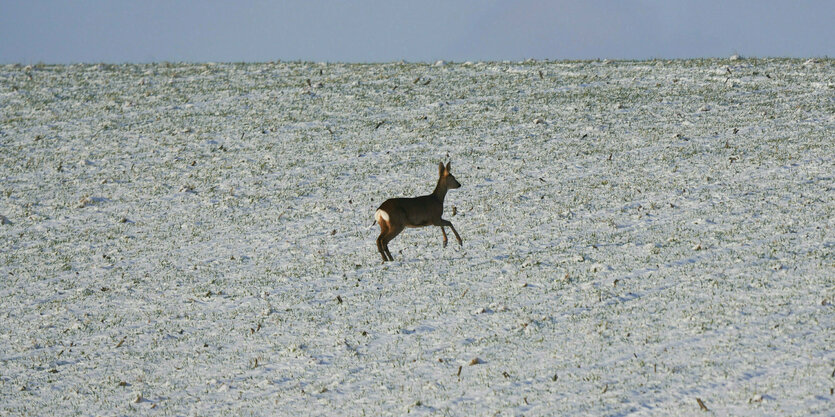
[197, 239]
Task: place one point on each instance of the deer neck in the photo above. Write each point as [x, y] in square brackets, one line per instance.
[440, 191]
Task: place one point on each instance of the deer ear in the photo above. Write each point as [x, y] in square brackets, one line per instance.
[441, 168]
[448, 166]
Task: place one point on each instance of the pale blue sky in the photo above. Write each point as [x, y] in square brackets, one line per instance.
[116, 31]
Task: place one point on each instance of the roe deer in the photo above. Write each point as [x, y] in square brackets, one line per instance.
[396, 213]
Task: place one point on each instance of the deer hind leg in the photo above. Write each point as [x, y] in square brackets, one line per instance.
[390, 234]
[382, 218]
[444, 232]
[380, 244]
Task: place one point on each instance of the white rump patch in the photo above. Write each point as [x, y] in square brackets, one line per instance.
[380, 214]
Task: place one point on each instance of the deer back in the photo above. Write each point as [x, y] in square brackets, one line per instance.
[413, 212]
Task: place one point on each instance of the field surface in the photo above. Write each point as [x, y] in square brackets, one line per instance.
[640, 238]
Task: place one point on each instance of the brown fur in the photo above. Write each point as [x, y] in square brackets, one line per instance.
[416, 212]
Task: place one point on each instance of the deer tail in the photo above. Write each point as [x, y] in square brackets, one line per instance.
[380, 216]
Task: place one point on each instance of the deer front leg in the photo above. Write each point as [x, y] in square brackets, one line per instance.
[448, 223]
[456, 233]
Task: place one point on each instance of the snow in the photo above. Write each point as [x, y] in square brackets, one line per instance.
[197, 239]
